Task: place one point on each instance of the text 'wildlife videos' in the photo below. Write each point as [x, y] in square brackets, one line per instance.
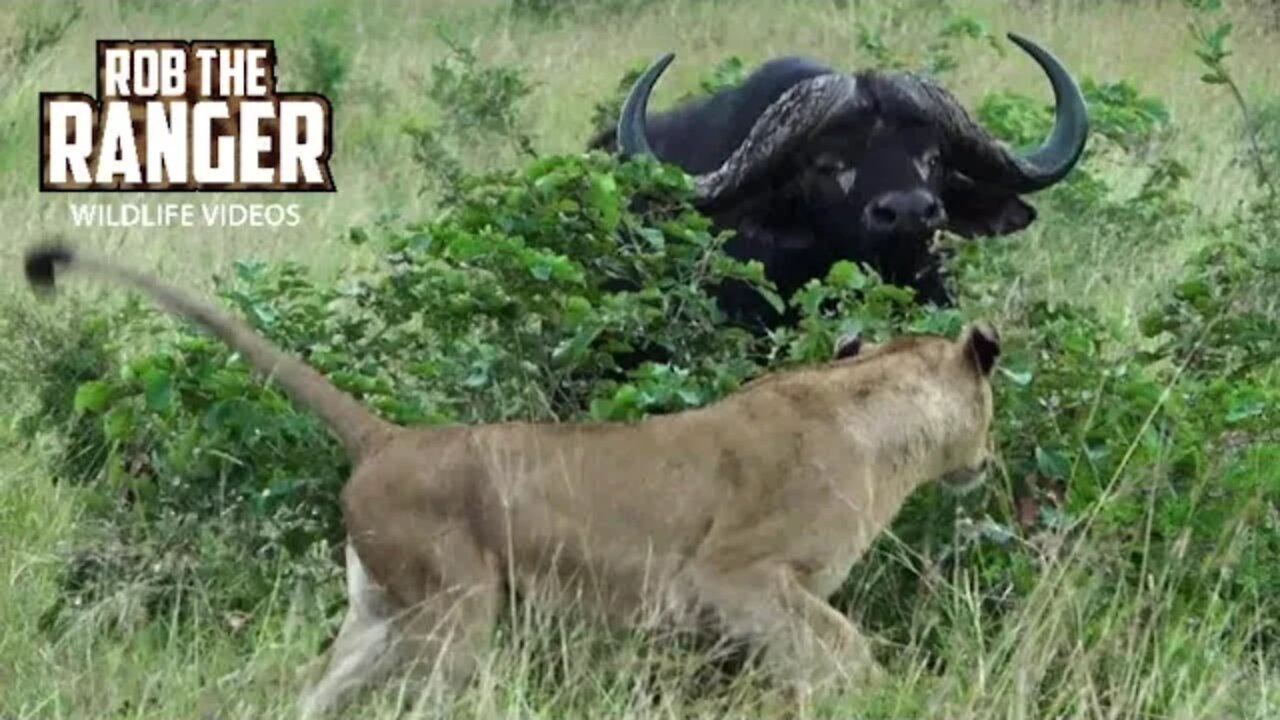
[185, 215]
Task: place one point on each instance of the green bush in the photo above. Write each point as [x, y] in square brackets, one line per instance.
[49, 355]
[476, 105]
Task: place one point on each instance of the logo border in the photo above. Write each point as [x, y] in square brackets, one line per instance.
[95, 102]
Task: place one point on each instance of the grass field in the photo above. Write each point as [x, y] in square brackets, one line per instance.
[1041, 664]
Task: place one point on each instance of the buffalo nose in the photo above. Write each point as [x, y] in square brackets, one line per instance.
[897, 211]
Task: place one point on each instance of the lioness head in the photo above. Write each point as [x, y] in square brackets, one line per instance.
[963, 412]
[978, 350]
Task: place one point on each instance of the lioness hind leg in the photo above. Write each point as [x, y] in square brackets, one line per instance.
[444, 639]
[363, 650]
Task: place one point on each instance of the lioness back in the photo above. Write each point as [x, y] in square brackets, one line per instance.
[774, 470]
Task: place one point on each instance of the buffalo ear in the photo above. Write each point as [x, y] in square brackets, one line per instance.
[977, 211]
[982, 346]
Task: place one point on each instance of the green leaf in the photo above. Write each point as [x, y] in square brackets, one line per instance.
[478, 377]
[574, 348]
[157, 387]
[1219, 34]
[654, 237]
[847, 275]
[1021, 378]
[117, 424]
[605, 199]
[1245, 408]
[602, 409]
[774, 299]
[541, 268]
[1052, 463]
[690, 396]
[997, 532]
[92, 396]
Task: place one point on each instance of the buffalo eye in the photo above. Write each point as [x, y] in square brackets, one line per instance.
[828, 164]
[929, 164]
[832, 167]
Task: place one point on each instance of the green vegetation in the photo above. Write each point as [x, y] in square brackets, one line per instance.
[167, 522]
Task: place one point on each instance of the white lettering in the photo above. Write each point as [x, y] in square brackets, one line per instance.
[206, 57]
[85, 214]
[306, 154]
[256, 72]
[63, 154]
[252, 144]
[116, 61]
[146, 75]
[118, 154]
[173, 74]
[202, 140]
[166, 142]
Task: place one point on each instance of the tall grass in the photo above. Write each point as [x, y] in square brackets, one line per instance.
[1078, 647]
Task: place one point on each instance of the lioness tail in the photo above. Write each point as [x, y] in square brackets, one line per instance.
[359, 430]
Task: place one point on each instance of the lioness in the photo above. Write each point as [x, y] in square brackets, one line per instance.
[753, 508]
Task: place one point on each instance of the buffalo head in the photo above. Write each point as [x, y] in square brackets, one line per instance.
[864, 166]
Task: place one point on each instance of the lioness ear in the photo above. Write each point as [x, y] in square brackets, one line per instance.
[848, 345]
[982, 346]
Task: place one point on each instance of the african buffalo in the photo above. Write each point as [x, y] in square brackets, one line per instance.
[810, 166]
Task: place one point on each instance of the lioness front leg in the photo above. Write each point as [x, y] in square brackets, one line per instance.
[806, 643]
[834, 636]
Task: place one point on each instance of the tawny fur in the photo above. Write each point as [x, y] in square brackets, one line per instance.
[754, 507]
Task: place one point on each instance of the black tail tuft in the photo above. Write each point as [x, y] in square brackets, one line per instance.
[40, 261]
